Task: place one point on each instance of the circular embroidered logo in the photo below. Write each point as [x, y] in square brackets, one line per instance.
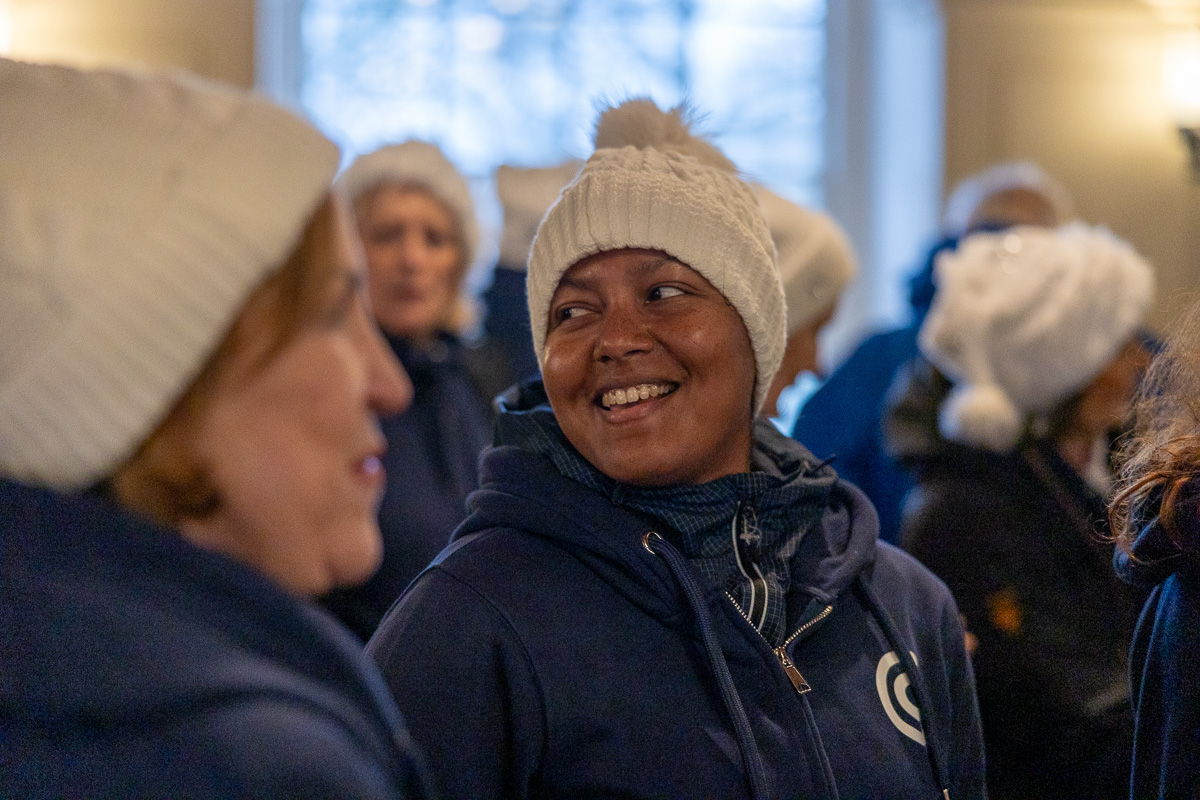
[892, 684]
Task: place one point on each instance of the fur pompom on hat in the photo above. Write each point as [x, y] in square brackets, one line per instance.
[525, 195]
[815, 258]
[422, 164]
[1024, 319]
[137, 215]
[652, 184]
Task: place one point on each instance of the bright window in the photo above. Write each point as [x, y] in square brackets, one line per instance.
[518, 81]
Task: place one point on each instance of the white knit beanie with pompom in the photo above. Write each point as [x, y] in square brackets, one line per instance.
[652, 184]
[1025, 318]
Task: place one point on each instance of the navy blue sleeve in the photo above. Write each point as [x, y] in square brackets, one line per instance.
[282, 750]
[255, 748]
[465, 686]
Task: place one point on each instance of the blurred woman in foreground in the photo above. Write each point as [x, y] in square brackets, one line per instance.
[1156, 522]
[189, 380]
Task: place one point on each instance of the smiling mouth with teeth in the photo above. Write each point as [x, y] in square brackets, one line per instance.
[635, 394]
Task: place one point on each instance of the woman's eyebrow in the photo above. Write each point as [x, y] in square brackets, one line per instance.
[654, 264]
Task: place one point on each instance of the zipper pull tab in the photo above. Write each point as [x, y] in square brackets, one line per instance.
[793, 674]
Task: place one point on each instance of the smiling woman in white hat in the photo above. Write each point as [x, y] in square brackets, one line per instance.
[656, 594]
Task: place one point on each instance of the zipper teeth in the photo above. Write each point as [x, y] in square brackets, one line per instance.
[825, 612]
[743, 613]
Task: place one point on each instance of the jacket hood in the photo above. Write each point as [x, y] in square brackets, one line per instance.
[105, 617]
[1156, 555]
[519, 489]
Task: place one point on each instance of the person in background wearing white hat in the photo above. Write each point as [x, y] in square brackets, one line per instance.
[189, 383]
[525, 195]
[420, 235]
[815, 264]
[1035, 331]
[656, 593]
[843, 418]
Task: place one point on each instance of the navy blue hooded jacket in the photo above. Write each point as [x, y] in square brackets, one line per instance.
[1164, 662]
[561, 648]
[134, 664]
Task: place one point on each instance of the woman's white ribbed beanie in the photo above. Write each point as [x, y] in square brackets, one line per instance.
[1025, 318]
[138, 212]
[652, 184]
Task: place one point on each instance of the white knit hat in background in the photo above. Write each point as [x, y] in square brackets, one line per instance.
[525, 195]
[652, 184]
[137, 215]
[815, 258]
[1024, 319]
[971, 193]
[421, 164]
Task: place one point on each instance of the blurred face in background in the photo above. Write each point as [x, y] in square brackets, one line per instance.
[1016, 206]
[1106, 400]
[415, 259]
[649, 370]
[278, 439]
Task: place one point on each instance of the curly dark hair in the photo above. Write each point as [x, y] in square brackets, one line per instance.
[1160, 459]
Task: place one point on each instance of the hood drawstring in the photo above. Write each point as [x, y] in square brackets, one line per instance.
[751, 758]
[916, 680]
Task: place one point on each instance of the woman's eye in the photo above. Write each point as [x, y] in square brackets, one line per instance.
[437, 239]
[569, 312]
[663, 292]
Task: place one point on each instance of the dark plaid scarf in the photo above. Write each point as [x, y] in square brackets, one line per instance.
[739, 531]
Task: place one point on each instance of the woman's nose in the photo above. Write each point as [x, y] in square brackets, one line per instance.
[413, 252]
[389, 389]
[622, 332]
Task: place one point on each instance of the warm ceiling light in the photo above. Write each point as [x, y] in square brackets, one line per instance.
[1181, 77]
[1181, 88]
[5, 28]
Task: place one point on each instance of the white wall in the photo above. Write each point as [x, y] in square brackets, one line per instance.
[209, 37]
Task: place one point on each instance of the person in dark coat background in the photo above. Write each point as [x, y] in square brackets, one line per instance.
[657, 594]
[525, 194]
[189, 384]
[843, 418]
[1037, 331]
[1156, 522]
[420, 234]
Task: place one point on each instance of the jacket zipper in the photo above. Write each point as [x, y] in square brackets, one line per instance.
[801, 686]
